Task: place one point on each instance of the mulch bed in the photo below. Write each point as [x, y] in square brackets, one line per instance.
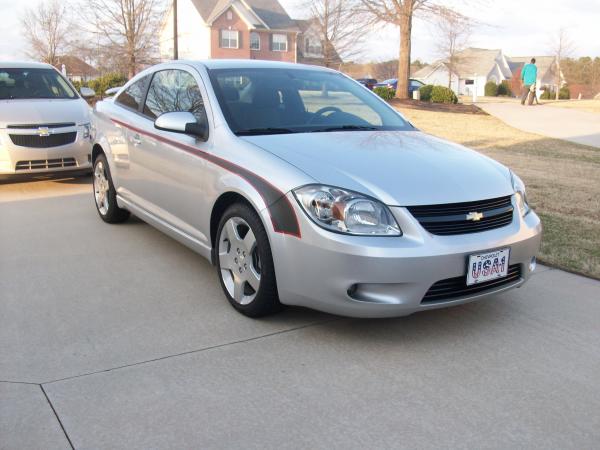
[439, 107]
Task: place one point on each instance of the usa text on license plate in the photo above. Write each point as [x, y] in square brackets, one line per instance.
[488, 266]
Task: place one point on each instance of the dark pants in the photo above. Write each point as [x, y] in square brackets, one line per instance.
[525, 93]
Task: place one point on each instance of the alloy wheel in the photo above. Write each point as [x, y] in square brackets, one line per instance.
[101, 188]
[239, 260]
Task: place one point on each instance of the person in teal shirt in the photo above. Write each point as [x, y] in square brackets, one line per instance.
[528, 77]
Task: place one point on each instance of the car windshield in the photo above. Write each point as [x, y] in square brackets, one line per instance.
[33, 83]
[277, 101]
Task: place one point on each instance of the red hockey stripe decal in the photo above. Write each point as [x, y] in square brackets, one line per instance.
[283, 216]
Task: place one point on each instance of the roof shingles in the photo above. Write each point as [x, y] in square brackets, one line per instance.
[269, 11]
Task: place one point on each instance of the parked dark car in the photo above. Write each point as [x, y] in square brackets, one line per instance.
[392, 83]
[369, 83]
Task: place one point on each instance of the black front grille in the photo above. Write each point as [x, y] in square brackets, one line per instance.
[55, 163]
[451, 218]
[453, 288]
[36, 141]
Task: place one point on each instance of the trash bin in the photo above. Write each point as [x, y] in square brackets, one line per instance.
[416, 94]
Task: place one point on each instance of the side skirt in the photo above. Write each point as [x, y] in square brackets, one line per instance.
[166, 228]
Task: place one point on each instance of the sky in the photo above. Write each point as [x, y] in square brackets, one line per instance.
[519, 28]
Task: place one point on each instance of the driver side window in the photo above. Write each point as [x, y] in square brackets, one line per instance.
[174, 91]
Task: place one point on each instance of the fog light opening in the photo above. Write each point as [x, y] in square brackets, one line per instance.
[352, 290]
[532, 264]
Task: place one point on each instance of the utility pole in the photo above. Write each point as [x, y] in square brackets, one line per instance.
[175, 42]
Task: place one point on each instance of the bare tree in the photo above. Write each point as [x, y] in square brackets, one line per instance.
[400, 13]
[454, 31]
[127, 29]
[45, 28]
[339, 31]
[562, 46]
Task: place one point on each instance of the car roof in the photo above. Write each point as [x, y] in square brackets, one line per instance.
[24, 65]
[248, 63]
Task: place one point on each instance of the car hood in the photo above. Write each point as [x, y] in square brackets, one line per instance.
[42, 111]
[400, 168]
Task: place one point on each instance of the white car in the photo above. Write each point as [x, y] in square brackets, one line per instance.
[44, 122]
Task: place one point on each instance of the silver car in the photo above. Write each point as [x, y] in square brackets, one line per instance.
[44, 122]
[304, 188]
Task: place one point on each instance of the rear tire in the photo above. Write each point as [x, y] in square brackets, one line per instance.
[245, 263]
[105, 195]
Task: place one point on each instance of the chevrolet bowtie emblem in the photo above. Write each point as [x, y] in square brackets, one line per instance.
[474, 216]
[43, 131]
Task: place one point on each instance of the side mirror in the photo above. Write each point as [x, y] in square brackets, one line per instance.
[86, 92]
[112, 91]
[182, 122]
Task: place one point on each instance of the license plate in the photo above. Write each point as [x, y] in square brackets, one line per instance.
[487, 266]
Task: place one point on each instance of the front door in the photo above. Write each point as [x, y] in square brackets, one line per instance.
[168, 170]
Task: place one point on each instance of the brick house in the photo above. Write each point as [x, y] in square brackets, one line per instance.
[247, 29]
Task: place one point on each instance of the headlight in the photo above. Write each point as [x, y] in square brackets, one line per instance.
[87, 130]
[521, 196]
[347, 212]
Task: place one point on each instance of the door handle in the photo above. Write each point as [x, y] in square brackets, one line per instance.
[136, 139]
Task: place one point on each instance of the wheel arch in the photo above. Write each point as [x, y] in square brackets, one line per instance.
[224, 201]
[97, 150]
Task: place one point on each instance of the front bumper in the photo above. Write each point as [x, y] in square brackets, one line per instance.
[18, 161]
[392, 273]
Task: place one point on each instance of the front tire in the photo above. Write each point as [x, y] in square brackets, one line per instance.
[105, 194]
[245, 263]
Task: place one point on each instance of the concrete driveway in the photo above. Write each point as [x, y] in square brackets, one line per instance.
[117, 337]
[581, 127]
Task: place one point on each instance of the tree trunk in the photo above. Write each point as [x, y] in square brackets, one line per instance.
[405, 26]
[131, 69]
[557, 79]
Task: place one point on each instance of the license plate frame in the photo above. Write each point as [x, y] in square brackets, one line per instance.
[479, 272]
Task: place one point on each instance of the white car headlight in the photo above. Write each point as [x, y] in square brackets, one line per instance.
[347, 212]
[521, 196]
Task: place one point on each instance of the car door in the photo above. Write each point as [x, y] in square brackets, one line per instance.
[168, 172]
[126, 117]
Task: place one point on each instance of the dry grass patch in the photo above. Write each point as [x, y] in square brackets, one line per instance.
[583, 105]
[563, 181]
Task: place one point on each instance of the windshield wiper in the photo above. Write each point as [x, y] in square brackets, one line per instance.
[345, 128]
[268, 130]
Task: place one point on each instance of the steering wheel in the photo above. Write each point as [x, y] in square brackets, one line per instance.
[322, 111]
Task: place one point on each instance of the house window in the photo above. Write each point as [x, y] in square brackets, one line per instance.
[312, 47]
[279, 43]
[229, 38]
[254, 41]
[229, 15]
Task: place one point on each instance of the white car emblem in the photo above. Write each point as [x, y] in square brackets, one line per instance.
[474, 216]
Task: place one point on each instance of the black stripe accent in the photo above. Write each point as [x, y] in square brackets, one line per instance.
[35, 126]
[283, 216]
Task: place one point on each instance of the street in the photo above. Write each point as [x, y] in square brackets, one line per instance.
[116, 336]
